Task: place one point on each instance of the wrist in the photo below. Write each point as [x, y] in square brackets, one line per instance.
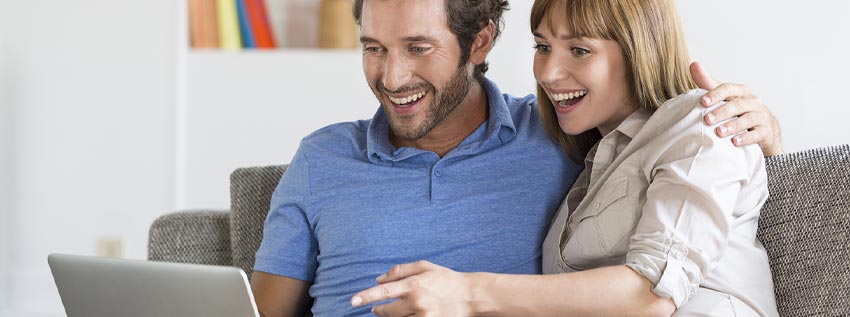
[774, 149]
[481, 302]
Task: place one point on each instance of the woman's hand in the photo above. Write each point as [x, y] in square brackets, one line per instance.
[751, 115]
[421, 289]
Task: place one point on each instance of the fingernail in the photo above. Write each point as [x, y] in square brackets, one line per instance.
[710, 118]
[356, 301]
[381, 277]
[737, 140]
[723, 130]
[705, 100]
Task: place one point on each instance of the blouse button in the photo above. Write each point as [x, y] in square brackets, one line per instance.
[596, 205]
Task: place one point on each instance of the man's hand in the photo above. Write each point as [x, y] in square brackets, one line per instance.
[751, 116]
[422, 289]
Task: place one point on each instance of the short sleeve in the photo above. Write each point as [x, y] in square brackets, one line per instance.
[289, 247]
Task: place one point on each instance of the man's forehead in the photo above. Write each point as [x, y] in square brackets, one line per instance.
[403, 19]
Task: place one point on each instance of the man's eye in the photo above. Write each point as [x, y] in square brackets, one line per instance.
[372, 49]
[579, 52]
[419, 49]
[542, 48]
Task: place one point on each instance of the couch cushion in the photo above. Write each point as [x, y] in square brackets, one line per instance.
[250, 196]
[805, 227]
[199, 237]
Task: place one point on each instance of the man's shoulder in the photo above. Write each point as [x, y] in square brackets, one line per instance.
[527, 102]
[343, 138]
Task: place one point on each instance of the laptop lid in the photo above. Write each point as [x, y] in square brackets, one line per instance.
[100, 287]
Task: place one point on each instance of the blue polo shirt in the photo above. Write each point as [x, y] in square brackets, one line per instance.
[351, 205]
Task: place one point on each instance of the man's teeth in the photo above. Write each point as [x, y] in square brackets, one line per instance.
[408, 99]
[572, 95]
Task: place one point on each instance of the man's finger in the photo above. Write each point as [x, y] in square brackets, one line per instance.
[397, 308]
[725, 112]
[701, 77]
[380, 293]
[402, 271]
[724, 92]
[737, 125]
[754, 136]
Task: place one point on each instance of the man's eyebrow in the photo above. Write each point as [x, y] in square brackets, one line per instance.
[366, 39]
[419, 38]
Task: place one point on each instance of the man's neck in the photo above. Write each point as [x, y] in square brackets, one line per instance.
[456, 127]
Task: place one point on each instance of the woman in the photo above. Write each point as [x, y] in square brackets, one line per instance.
[663, 219]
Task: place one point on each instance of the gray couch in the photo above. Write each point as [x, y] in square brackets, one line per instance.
[805, 227]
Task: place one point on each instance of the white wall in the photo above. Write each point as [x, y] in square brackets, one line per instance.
[5, 168]
[793, 55]
[93, 85]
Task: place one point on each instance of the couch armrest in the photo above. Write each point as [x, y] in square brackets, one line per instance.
[199, 237]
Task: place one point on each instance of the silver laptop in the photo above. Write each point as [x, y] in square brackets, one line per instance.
[101, 287]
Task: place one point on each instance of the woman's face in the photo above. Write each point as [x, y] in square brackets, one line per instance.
[584, 78]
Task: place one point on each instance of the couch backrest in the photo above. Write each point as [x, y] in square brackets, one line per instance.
[805, 227]
[250, 194]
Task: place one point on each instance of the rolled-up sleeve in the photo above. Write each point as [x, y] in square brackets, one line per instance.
[688, 216]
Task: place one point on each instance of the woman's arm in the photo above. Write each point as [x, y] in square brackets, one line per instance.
[423, 288]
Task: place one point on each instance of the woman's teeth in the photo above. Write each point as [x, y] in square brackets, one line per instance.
[406, 101]
[572, 95]
[569, 99]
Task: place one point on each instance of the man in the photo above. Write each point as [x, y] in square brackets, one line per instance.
[449, 170]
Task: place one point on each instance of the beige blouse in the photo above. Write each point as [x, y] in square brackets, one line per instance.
[665, 196]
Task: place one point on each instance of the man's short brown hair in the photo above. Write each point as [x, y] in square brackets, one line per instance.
[465, 18]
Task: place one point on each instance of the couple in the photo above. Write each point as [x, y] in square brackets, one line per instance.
[645, 200]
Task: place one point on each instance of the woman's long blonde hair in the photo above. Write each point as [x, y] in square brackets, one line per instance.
[653, 44]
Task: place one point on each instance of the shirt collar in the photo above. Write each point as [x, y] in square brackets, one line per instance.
[628, 128]
[633, 123]
[500, 128]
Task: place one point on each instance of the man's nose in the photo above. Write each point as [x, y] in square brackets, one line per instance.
[397, 72]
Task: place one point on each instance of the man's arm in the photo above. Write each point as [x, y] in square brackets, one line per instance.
[279, 296]
[750, 115]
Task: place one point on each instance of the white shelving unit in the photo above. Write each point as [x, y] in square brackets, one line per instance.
[252, 107]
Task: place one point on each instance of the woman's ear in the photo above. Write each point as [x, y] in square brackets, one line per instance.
[483, 44]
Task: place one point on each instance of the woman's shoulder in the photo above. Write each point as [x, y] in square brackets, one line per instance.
[682, 120]
[681, 114]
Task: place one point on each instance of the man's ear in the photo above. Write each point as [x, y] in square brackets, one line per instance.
[483, 44]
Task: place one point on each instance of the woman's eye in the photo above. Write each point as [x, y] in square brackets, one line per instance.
[579, 52]
[542, 48]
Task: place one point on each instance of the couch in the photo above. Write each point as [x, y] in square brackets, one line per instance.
[804, 225]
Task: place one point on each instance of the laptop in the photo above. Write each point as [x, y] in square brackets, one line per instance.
[100, 287]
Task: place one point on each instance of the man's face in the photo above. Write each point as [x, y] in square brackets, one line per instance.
[411, 61]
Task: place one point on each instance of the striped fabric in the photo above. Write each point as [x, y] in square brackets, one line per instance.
[805, 227]
[250, 196]
[200, 237]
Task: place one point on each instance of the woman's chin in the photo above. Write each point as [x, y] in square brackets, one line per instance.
[573, 130]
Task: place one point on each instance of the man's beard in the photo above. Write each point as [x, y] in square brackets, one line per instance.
[450, 97]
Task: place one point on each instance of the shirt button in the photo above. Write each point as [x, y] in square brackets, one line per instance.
[596, 205]
[438, 173]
